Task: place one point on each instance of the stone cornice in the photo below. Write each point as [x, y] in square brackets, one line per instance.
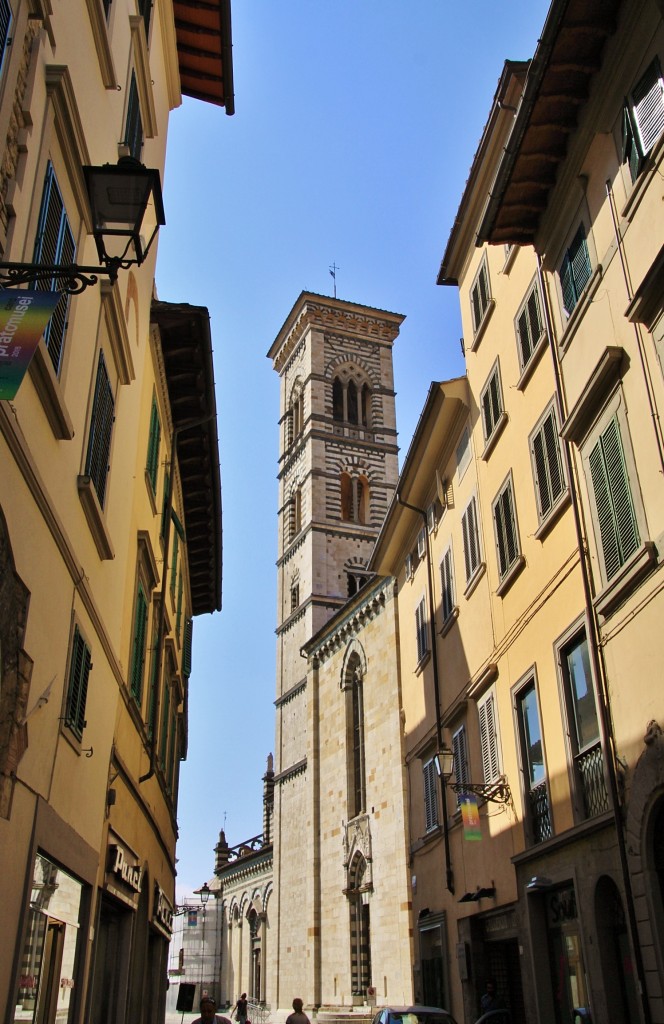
[362, 322]
[336, 634]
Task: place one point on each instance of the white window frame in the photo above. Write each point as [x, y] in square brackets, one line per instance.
[410, 572]
[547, 460]
[422, 543]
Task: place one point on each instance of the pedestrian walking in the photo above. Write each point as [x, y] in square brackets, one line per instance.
[297, 1017]
[240, 1009]
[209, 1013]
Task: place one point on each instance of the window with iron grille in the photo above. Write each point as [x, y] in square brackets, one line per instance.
[133, 125]
[77, 688]
[430, 777]
[491, 401]
[538, 811]
[480, 296]
[615, 517]
[550, 484]
[101, 429]
[139, 645]
[154, 440]
[486, 710]
[421, 630]
[447, 584]
[575, 270]
[54, 245]
[583, 726]
[471, 539]
[529, 326]
[504, 521]
[643, 118]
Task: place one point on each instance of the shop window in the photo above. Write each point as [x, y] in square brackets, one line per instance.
[54, 245]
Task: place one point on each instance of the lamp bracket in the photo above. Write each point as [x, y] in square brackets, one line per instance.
[71, 279]
[497, 792]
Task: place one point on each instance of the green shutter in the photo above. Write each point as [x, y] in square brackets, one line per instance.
[165, 715]
[77, 691]
[101, 428]
[154, 441]
[186, 648]
[618, 529]
[174, 561]
[138, 650]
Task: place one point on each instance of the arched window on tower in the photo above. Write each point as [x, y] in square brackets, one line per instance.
[366, 405]
[351, 401]
[338, 400]
[297, 511]
[346, 498]
[355, 759]
[354, 498]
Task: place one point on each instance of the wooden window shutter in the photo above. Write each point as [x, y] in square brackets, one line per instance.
[619, 533]
[488, 739]
[648, 99]
[430, 796]
[77, 693]
[138, 652]
[101, 428]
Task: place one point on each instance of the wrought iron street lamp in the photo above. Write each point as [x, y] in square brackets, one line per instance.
[127, 212]
[497, 792]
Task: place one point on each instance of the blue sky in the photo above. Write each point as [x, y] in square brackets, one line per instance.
[355, 127]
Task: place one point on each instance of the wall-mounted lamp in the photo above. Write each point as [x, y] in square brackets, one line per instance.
[538, 883]
[497, 792]
[127, 212]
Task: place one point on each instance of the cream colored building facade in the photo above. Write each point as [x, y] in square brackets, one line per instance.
[107, 551]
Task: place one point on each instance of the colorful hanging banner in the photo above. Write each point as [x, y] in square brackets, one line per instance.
[470, 815]
[23, 319]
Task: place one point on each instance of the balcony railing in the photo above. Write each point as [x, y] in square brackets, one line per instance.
[540, 813]
[590, 768]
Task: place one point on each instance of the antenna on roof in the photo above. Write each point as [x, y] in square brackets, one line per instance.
[333, 271]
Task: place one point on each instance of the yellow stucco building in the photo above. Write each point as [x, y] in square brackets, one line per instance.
[110, 516]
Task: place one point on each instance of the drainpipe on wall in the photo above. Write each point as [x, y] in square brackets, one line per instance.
[449, 877]
[596, 654]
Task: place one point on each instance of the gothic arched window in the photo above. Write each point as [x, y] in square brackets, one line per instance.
[355, 757]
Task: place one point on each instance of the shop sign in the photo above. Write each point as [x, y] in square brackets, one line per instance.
[162, 915]
[561, 907]
[124, 874]
[23, 319]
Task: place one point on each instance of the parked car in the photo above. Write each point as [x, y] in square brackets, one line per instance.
[495, 1017]
[413, 1015]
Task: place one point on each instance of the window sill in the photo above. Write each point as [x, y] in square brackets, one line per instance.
[497, 431]
[479, 333]
[419, 668]
[576, 316]
[529, 368]
[95, 517]
[509, 578]
[474, 580]
[49, 389]
[630, 575]
[449, 621]
[553, 515]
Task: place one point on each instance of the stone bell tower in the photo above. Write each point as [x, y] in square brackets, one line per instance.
[338, 469]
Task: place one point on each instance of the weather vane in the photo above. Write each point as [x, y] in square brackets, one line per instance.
[333, 271]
